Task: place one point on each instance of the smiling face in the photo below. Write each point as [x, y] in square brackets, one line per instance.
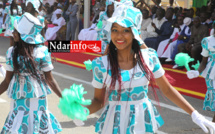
[121, 37]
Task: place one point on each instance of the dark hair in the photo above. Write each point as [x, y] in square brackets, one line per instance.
[147, 11]
[13, 4]
[33, 11]
[163, 12]
[24, 51]
[115, 70]
[171, 9]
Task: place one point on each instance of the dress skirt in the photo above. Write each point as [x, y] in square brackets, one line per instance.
[30, 116]
[129, 117]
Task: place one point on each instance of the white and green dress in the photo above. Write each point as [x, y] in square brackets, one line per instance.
[208, 50]
[29, 112]
[8, 23]
[134, 113]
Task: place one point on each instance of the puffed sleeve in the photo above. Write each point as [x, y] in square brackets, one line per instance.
[155, 64]
[46, 62]
[204, 44]
[9, 61]
[98, 73]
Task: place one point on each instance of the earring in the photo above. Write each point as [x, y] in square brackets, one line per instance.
[115, 48]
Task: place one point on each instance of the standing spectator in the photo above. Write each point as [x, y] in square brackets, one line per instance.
[73, 20]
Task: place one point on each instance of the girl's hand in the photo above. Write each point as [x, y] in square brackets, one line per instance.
[192, 74]
[54, 59]
[202, 122]
[78, 122]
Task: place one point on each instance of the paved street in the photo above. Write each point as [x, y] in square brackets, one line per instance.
[176, 121]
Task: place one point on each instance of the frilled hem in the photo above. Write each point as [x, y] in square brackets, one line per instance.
[140, 118]
[22, 122]
[30, 116]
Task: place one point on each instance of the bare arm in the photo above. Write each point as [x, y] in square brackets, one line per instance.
[5, 83]
[4, 18]
[143, 46]
[98, 100]
[52, 83]
[173, 95]
[203, 64]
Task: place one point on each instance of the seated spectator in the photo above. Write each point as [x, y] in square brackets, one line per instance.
[91, 32]
[158, 21]
[154, 10]
[181, 34]
[145, 23]
[193, 47]
[88, 33]
[204, 19]
[163, 33]
[56, 25]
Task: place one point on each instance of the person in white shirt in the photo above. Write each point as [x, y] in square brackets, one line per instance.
[145, 23]
[58, 23]
[166, 47]
[158, 21]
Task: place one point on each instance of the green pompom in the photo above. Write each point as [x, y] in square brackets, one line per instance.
[183, 59]
[99, 25]
[71, 103]
[1, 31]
[88, 65]
[196, 66]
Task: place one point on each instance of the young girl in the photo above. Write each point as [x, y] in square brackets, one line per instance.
[206, 69]
[28, 81]
[12, 10]
[123, 75]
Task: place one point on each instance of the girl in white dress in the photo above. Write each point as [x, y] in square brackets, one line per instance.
[122, 77]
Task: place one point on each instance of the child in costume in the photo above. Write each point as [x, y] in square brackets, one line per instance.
[12, 10]
[207, 70]
[102, 21]
[28, 81]
[123, 76]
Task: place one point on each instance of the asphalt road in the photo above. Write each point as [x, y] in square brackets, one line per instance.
[176, 120]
